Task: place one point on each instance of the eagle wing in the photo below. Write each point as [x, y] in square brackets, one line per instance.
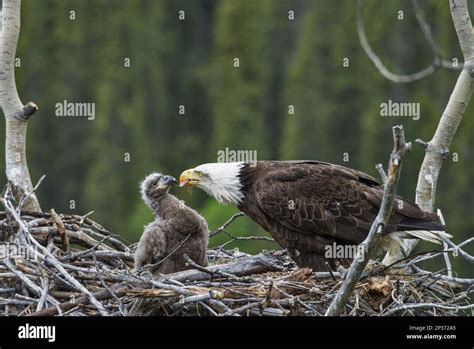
[151, 247]
[322, 199]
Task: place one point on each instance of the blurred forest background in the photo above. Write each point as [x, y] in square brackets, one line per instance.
[282, 62]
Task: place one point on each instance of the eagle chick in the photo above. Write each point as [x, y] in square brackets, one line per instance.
[177, 230]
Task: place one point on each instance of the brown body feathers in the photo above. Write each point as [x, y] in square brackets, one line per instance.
[177, 230]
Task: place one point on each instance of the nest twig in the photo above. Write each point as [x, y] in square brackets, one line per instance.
[59, 264]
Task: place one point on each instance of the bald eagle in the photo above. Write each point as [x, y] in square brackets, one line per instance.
[309, 205]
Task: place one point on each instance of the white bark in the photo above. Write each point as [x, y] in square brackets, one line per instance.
[437, 149]
[16, 114]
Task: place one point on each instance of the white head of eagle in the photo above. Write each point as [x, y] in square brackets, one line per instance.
[219, 180]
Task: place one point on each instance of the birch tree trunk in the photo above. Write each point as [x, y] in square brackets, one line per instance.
[437, 149]
[16, 114]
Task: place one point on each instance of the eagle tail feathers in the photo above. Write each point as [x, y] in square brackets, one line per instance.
[434, 236]
[394, 242]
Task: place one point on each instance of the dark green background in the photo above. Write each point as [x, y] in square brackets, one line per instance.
[190, 63]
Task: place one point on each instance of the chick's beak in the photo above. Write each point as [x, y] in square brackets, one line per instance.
[188, 177]
[169, 180]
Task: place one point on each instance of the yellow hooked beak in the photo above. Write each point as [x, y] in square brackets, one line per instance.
[189, 177]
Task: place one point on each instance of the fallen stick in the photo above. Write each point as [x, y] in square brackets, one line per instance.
[260, 263]
[59, 224]
[49, 258]
[30, 284]
[84, 300]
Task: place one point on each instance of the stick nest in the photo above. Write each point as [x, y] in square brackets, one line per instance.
[70, 265]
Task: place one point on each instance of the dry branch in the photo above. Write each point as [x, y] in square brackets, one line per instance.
[438, 60]
[262, 262]
[226, 224]
[354, 273]
[438, 147]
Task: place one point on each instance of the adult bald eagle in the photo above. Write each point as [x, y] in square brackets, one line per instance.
[309, 205]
